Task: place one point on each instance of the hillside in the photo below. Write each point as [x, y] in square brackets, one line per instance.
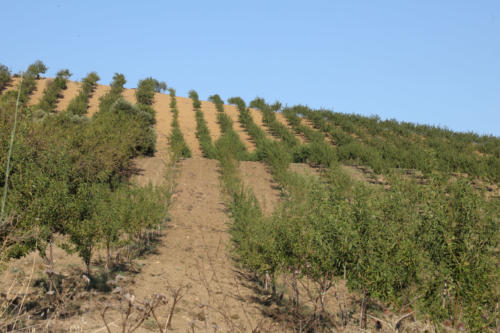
[249, 218]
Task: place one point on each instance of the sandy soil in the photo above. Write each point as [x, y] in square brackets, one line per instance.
[187, 123]
[257, 118]
[210, 115]
[257, 177]
[163, 122]
[10, 86]
[72, 90]
[232, 112]
[99, 91]
[129, 95]
[281, 118]
[38, 93]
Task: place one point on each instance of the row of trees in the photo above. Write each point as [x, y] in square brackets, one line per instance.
[428, 248]
[176, 140]
[52, 92]
[79, 104]
[385, 145]
[202, 131]
[239, 150]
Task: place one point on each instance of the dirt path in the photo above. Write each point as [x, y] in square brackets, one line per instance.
[256, 177]
[187, 123]
[232, 112]
[194, 253]
[210, 115]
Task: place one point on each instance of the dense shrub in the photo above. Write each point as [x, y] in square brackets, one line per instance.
[5, 76]
[146, 90]
[86, 196]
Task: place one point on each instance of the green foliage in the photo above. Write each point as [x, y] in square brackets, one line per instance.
[115, 92]
[146, 89]
[79, 104]
[385, 145]
[5, 76]
[35, 69]
[229, 139]
[202, 131]
[28, 84]
[52, 93]
[176, 139]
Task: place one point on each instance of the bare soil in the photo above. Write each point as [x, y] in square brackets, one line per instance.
[232, 112]
[210, 114]
[257, 177]
[194, 253]
[72, 90]
[281, 118]
[99, 91]
[38, 93]
[187, 123]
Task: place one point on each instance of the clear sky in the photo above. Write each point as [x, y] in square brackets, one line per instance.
[425, 61]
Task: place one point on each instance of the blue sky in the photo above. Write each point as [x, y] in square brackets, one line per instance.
[432, 62]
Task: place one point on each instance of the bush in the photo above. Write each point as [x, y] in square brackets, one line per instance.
[5, 76]
[35, 69]
[146, 89]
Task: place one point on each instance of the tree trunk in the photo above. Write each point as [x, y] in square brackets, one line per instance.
[362, 317]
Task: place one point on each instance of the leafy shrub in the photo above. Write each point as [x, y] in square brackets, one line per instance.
[35, 69]
[5, 76]
[146, 90]
[115, 92]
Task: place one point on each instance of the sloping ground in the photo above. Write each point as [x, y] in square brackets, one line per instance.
[256, 177]
[210, 115]
[194, 254]
[99, 91]
[232, 112]
[153, 169]
[72, 90]
[187, 123]
[163, 123]
[38, 93]
[281, 118]
[11, 85]
[257, 118]
[129, 95]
